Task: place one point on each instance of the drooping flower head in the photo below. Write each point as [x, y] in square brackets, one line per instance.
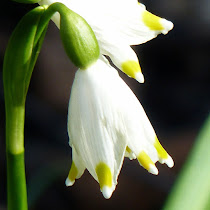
[105, 123]
[118, 24]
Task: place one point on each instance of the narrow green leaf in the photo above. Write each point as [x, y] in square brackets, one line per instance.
[192, 188]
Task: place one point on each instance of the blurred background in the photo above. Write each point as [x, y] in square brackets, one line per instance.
[175, 97]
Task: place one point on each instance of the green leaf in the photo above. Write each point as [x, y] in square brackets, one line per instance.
[192, 188]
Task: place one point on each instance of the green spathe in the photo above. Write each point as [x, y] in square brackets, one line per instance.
[78, 38]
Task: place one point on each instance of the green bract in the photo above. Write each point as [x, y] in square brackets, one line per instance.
[78, 38]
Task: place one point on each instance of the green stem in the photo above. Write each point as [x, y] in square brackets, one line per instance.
[16, 182]
[20, 57]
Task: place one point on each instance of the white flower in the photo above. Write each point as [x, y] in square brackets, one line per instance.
[105, 123]
[118, 24]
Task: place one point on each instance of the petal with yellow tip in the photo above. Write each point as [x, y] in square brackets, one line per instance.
[105, 179]
[76, 170]
[125, 59]
[94, 126]
[153, 22]
[118, 25]
[132, 69]
[129, 153]
[72, 175]
[164, 157]
[147, 163]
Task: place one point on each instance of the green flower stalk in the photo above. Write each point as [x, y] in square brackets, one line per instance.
[19, 61]
[21, 54]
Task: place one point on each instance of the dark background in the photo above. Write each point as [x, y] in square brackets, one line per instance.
[175, 96]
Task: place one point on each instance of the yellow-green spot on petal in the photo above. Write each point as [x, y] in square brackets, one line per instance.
[131, 67]
[145, 160]
[104, 175]
[152, 21]
[160, 150]
[73, 172]
[128, 149]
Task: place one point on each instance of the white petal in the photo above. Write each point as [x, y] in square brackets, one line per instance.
[77, 168]
[137, 128]
[117, 25]
[93, 120]
[107, 192]
[123, 57]
[133, 29]
[169, 161]
[153, 169]
[129, 154]
[69, 182]
[122, 20]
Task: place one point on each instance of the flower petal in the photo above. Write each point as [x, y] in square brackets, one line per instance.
[164, 157]
[77, 168]
[130, 23]
[140, 135]
[117, 25]
[94, 123]
[123, 57]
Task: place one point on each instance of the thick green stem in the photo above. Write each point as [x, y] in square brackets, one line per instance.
[20, 57]
[16, 182]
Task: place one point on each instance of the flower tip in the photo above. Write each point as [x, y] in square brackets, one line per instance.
[139, 77]
[169, 161]
[68, 182]
[153, 169]
[107, 192]
[132, 69]
[168, 25]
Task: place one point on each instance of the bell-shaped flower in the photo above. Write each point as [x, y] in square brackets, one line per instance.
[105, 123]
[118, 24]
